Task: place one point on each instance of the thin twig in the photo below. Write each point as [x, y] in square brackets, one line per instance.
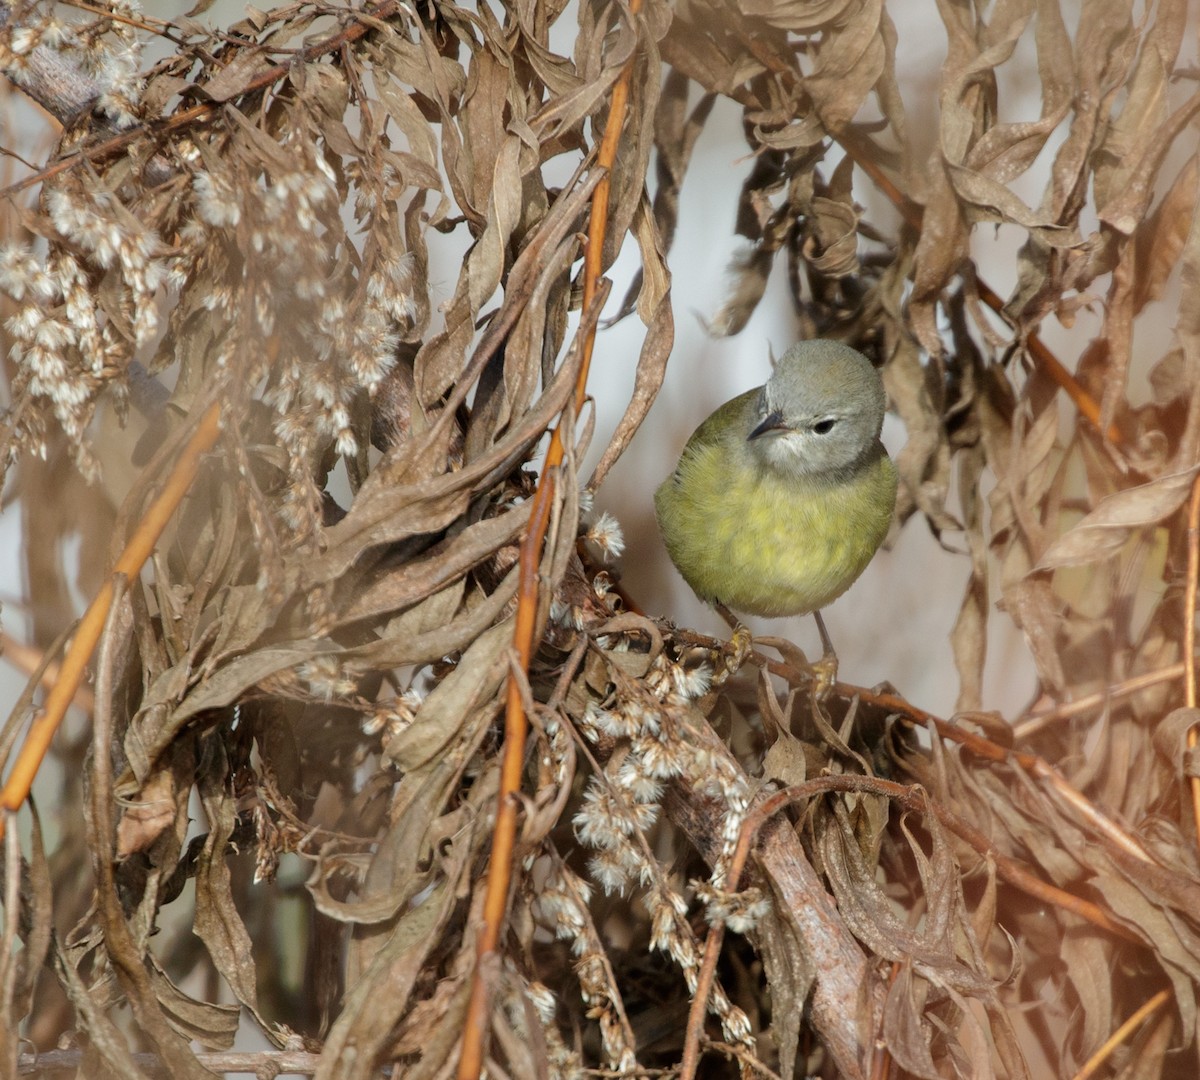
[743, 1057]
[1023, 729]
[516, 724]
[12, 924]
[147, 23]
[1122, 1033]
[124, 951]
[137, 551]
[282, 1062]
[881, 1063]
[27, 660]
[698, 1009]
[626, 1074]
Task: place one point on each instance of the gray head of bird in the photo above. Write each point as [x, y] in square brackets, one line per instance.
[821, 411]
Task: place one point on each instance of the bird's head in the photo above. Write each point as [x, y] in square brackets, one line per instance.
[821, 411]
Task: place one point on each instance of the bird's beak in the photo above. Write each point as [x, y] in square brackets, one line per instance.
[773, 421]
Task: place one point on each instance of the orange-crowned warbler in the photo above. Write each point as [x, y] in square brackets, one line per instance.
[782, 496]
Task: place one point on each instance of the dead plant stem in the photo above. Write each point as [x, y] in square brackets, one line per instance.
[27, 660]
[1023, 729]
[912, 798]
[516, 724]
[83, 643]
[1097, 1060]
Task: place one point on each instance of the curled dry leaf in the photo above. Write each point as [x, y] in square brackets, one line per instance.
[1105, 530]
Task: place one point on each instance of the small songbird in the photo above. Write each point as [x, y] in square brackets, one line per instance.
[782, 496]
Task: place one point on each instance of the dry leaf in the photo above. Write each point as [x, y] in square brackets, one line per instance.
[1106, 529]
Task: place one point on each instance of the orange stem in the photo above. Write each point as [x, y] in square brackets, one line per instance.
[495, 901]
[83, 643]
[1097, 1060]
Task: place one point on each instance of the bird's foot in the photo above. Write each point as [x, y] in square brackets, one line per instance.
[824, 671]
[824, 675]
[728, 662]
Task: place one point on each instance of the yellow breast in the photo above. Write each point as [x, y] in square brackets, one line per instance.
[765, 543]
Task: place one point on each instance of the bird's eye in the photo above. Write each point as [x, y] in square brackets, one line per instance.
[824, 427]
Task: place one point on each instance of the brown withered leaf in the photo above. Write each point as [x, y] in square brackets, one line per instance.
[19, 971]
[218, 923]
[1170, 740]
[798, 16]
[1105, 530]
[1160, 239]
[652, 360]
[154, 730]
[149, 813]
[212, 1025]
[831, 243]
[459, 697]
[395, 588]
[232, 79]
[377, 999]
[1135, 127]
[786, 760]
[749, 272]
[108, 1044]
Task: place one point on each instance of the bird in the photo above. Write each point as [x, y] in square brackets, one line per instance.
[783, 495]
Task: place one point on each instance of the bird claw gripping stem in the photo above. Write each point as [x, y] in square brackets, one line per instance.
[824, 676]
[729, 660]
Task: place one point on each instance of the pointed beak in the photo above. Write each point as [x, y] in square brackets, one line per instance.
[773, 421]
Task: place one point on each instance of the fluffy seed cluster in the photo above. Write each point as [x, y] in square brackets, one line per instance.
[739, 911]
[279, 295]
[562, 903]
[82, 312]
[605, 533]
[266, 844]
[559, 756]
[289, 272]
[649, 718]
[327, 679]
[392, 717]
[518, 993]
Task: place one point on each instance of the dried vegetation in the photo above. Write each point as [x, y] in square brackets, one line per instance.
[279, 817]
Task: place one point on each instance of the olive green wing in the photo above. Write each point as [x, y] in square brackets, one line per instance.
[730, 421]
